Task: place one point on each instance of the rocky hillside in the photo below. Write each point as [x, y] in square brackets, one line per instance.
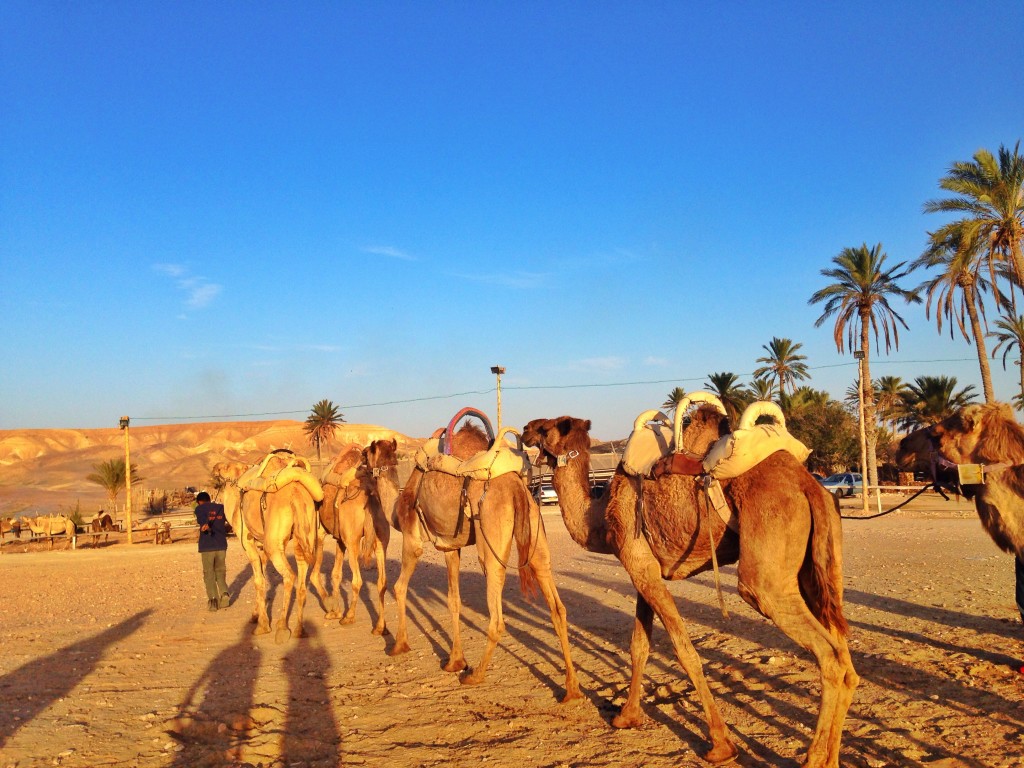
[44, 470]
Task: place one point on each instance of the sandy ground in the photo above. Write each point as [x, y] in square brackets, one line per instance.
[110, 658]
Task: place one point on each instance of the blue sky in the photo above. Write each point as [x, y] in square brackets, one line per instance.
[222, 209]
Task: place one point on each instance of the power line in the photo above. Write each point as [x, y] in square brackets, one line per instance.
[523, 388]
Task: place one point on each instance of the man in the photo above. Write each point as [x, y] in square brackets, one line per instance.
[213, 548]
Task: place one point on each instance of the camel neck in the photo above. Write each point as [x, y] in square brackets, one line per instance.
[583, 516]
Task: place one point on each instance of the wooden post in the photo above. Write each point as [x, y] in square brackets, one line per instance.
[127, 479]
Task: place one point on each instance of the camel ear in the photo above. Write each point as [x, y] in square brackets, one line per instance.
[586, 425]
[564, 425]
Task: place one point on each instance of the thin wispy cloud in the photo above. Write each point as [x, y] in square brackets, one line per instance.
[199, 292]
[610, 363]
[508, 279]
[386, 250]
[656, 362]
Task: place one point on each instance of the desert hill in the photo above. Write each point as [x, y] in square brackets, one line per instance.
[44, 470]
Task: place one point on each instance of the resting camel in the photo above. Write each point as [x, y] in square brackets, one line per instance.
[788, 548]
[978, 434]
[454, 512]
[358, 486]
[50, 526]
[268, 505]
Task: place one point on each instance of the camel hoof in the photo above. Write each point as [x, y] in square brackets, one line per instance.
[722, 753]
[380, 631]
[348, 619]
[454, 665]
[573, 694]
[283, 634]
[261, 629]
[471, 678]
[622, 720]
[399, 648]
[331, 615]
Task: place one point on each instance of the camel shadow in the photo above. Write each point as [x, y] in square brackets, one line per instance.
[217, 726]
[30, 689]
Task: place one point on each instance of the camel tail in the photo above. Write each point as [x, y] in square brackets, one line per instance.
[524, 506]
[368, 545]
[824, 587]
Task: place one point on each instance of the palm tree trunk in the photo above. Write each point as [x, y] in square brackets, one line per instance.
[979, 340]
[870, 428]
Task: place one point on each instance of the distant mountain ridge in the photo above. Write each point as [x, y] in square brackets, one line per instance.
[42, 470]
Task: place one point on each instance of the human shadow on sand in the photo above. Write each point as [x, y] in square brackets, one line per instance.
[311, 736]
[34, 686]
[215, 717]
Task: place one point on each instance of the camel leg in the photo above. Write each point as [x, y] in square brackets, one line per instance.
[332, 602]
[494, 575]
[277, 557]
[315, 575]
[258, 560]
[302, 560]
[645, 573]
[631, 715]
[783, 604]
[456, 659]
[412, 548]
[540, 565]
[380, 628]
[352, 553]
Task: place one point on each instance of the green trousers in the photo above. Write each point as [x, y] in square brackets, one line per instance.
[215, 571]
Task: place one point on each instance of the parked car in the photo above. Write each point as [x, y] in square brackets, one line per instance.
[844, 483]
[545, 494]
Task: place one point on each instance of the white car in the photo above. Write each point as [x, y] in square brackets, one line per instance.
[844, 483]
[545, 494]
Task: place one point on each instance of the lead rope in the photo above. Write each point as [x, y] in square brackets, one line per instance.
[714, 547]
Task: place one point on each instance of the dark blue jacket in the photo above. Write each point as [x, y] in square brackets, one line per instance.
[215, 537]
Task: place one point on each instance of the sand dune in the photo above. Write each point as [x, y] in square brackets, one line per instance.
[44, 470]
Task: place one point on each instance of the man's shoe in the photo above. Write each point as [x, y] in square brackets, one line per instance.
[225, 601]
[212, 604]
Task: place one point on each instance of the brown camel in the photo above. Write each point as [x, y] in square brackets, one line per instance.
[788, 548]
[986, 435]
[266, 520]
[452, 513]
[358, 486]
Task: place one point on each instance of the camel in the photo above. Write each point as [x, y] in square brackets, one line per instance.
[358, 486]
[986, 435]
[788, 547]
[454, 512]
[268, 505]
[50, 526]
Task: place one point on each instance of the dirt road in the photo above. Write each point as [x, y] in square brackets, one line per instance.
[110, 658]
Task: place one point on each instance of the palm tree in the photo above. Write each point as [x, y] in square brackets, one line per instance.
[990, 194]
[110, 475]
[782, 364]
[802, 399]
[761, 388]
[889, 392]
[930, 399]
[322, 423]
[1010, 336]
[859, 300]
[733, 396]
[675, 397]
[960, 266]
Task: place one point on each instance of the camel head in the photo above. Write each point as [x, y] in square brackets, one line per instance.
[381, 454]
[915, 451]
[980, 434]
[557, 437]
[228, 471]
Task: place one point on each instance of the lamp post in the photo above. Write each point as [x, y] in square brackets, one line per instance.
[497, 370]
[859, 357]
[127, 479]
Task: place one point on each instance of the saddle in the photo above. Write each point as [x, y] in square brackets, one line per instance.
[501, 458]
[296, 469]
[654, 436]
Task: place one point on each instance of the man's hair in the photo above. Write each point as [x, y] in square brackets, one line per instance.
[202, 497]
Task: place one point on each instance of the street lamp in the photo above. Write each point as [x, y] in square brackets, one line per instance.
[858, 355]
[127, 479]
[497, 370]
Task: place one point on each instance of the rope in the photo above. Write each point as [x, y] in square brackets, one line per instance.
[714, 547]
[904, 503]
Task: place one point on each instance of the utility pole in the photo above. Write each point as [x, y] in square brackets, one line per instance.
[497, 370]
[127, 479]
[859, 356]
